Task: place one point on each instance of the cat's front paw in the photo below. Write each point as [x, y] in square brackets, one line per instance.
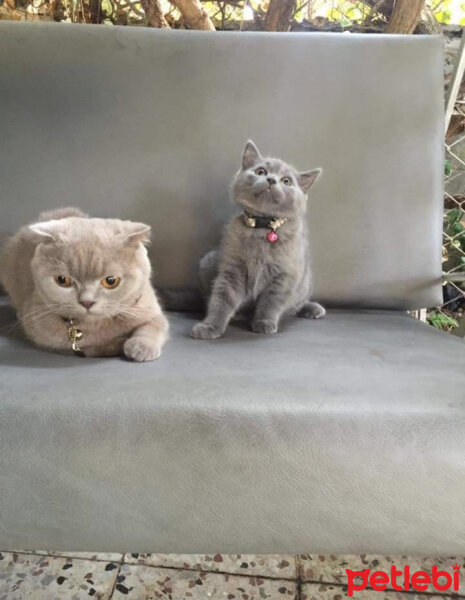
[141, 349]
[205, 331]
[266, 326]
[312, 310]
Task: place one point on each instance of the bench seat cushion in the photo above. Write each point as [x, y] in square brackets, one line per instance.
[340, 435]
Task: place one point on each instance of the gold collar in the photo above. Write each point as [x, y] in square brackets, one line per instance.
[271, 223]
[74, 335]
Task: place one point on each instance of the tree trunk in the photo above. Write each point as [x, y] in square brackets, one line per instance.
[194, 14]
[405, 16]
[153, 14]
[428, 23]
[280, 14]
[95, 11]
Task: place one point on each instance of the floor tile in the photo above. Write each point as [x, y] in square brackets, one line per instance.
[138, 582]
[332, 568]
[102, 556]
[280, 566]
[36, 577]
[317, 591]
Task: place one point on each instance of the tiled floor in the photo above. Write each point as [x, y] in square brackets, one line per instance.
[27, 575]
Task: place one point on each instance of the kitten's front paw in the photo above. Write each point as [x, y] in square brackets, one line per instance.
[312, 310]
[267, 326]
[141, 349]
[204, 331]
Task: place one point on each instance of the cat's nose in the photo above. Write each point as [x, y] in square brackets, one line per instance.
[271, 180]
[87, 303]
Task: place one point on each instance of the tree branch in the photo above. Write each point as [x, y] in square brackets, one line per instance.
[154, 14]
[194, 14]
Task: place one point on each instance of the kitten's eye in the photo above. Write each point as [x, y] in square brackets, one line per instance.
[261, 171]
[110, 282]
[286, 180]
[63, 280]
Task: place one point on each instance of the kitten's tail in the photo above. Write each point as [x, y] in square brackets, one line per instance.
[194, 300]
[61, 213]
[190, 300]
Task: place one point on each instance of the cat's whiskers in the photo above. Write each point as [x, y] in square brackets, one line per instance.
[33, 315]
[134, 312]
[40, 313]
[10, 327]
[57, 307]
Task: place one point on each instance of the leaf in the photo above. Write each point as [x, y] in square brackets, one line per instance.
[443, 16]
[454, 215]
[442, 321]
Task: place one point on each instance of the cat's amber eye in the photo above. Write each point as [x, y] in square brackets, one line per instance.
[63, 281]
[111, 282]
[261, 171]
[287, 180]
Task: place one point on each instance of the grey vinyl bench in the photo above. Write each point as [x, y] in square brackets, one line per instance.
[342, 435]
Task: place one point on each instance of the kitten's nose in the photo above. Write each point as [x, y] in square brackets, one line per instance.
[271, 180]
[87, 303]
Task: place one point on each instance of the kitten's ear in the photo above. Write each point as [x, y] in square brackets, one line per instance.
[308, 178]
[136, 232]
[251, 155]
[48, 231]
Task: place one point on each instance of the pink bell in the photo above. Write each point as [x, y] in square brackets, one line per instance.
[272, 237]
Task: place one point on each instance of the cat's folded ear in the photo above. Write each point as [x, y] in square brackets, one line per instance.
[308, 178]
[136, 232]
[47, 231]
[251, 155]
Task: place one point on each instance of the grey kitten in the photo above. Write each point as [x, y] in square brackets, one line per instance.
[263, 264]
[88, 280]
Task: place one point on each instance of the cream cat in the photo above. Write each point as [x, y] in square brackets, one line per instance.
[84, 284]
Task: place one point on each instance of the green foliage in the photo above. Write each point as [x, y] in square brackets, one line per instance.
[453, 259]
[441, 321]
[226, 14]
[454, 227]
[348, 12]
[449, 11]
[447, 168]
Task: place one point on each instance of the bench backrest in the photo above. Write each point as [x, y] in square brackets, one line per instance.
[150, 125]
